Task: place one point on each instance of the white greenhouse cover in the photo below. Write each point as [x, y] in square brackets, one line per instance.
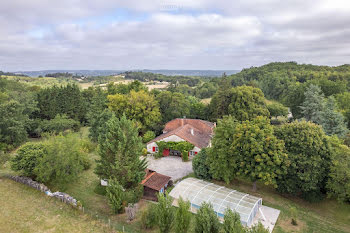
[198, 191]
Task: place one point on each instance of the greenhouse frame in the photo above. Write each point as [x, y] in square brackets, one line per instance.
[198, 191]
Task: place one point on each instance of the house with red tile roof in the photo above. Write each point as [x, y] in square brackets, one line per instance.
[195, 131]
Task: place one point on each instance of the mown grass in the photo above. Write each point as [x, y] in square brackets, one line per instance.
[24, 209]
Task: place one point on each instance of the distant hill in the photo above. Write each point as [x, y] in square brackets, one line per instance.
[212, 73]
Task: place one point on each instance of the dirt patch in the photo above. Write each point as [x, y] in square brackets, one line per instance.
[289, 227]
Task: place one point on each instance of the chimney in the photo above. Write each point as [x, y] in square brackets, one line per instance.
[182, 122]
[192, 131]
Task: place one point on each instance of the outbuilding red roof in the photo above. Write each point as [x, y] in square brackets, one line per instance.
[154, 180]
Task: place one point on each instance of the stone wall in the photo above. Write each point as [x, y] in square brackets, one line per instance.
[64, 197]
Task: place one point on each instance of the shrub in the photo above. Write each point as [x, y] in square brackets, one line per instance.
[144, 151]
[59, 124]
[182, 217]
[87, 146]
[100, 190]
[258, 229]
[148, 136]
[62, 161]
[232, 222]
[149, 217]
[293, 212]
[165, 212]
[4, 157]
[116, 196]
[27, 158]
[200, 166]
[206, 220]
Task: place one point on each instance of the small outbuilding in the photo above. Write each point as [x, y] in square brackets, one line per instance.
[198, 191]
[154, 183]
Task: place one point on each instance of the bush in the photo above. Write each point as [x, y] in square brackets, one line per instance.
[144, 151]
[206, 220]
[185, 156]
[200, 166]
[4, 157]
[148, 136]
[27, 158]
[258, 229]
[87, 146]
[182, 217]
[116, 196]
[59, 124]
[232, 222]
[62, 161]
[100, 190]
[149, 217]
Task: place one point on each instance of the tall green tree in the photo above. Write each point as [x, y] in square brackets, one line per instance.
[200, 165]
[98, 125]
[313, 104]
[182, 216]
[120, 148]
[165, 212]
[309, 153]
[173, 105]
[115, 195]
[206, 220]
[139, 106]
[332, 121]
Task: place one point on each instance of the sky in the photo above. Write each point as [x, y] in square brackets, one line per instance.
[171, 34]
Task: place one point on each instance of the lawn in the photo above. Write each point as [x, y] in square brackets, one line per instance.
[24, 209]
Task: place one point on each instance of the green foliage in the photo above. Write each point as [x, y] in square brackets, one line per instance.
[116, 196]
[98, 125]
[148, 136]
[27, 158]
[293, 211]
[277, 109]
[206, 220]
[184, 147]
[338, 184]
[232, 222]
[333, 121]
[243, 103]
[120, 148]
[200, 165]
[309, 154]
[165, 212]
[4, 157]
[343, 103]
[139, 106]
[173, 105]
[59, 124]
[149, 218]
[97, 105]
[61, 100]
[222, 165]
[313, 105]
[259, 228]
[182, 216]
[62, 161]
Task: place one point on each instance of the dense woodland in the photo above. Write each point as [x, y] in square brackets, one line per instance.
[284, 125]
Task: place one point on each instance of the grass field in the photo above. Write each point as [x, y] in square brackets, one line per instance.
[325, 216]
[24, 209]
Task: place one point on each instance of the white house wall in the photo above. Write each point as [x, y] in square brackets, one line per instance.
[171, 138]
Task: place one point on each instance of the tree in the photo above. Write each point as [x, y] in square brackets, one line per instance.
[243, 103]
[63, 161]
[259, 228]
[58, 124]
[232, 222]
[149, 135]
[139, 106]
[277, 109]
[98, 125]
[338, 184]
[173, 105]
[182, 216]
[97, 106]
[258, 153]
[27, 158]
[200, 165]
[343, 103]
[115, 195]
[165, 212]
[313, 104]
[331, 120]
[309, 154]
[206, 220]
[222, 165]
[120, 149]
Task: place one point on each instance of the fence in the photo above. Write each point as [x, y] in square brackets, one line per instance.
[64, 197]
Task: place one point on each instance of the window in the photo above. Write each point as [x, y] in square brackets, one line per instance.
[156, 148]
[192, 153]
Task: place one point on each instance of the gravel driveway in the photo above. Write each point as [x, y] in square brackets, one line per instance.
[171, 166]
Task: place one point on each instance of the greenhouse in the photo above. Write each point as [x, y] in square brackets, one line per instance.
[198, 191]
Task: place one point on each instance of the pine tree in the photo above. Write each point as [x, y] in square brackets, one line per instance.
[313, 104]
[120, 148]
[182, 216]
[331, 120]
[165, 212]
[232, 222]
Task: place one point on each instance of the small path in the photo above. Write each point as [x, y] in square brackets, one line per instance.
[170, 166]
